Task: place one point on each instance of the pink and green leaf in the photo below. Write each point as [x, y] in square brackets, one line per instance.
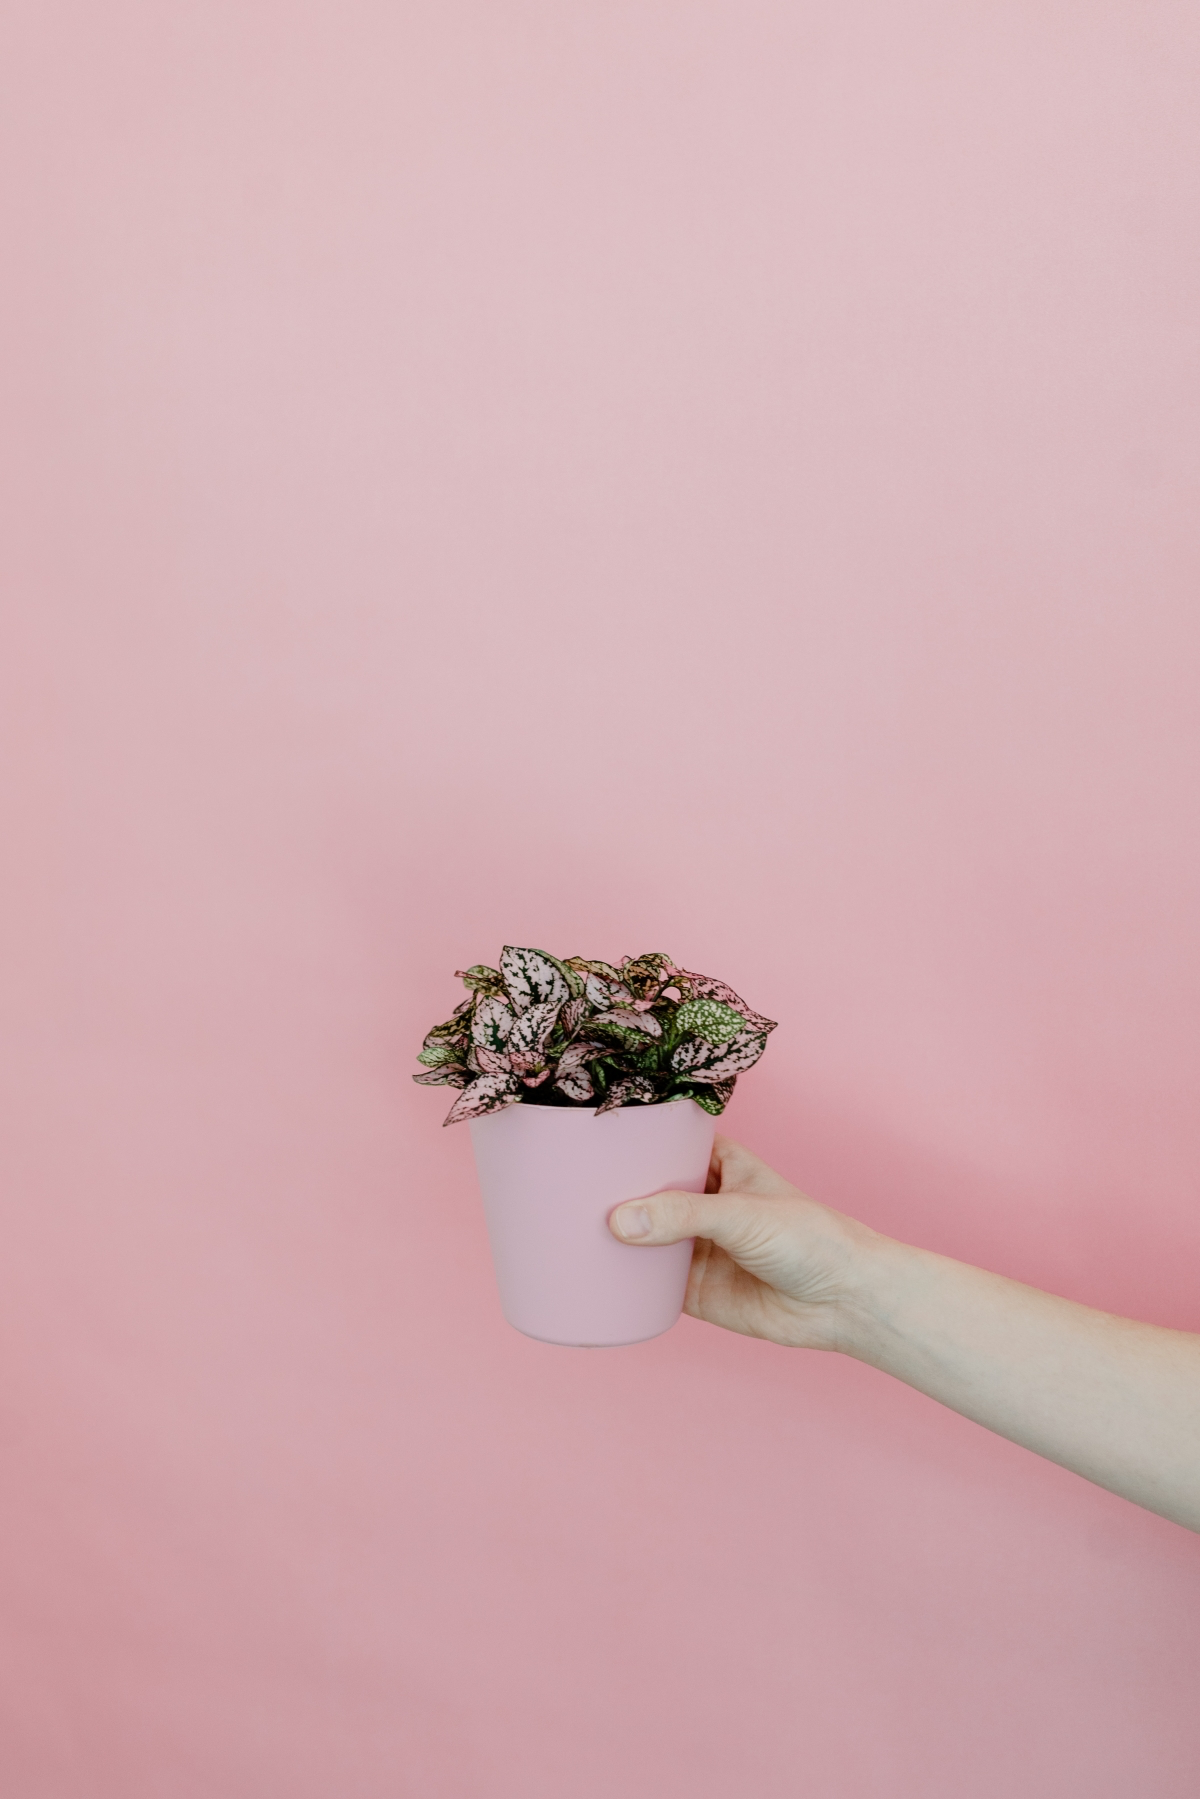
[490, 1093]
[703, 986]
[714, 1099]
[624, 1018]
[699, 1061]
[530, 1035]
[605, 970]
[576, 1084]
[442, 1077]
[659, 1033]
[492, 1024]
[481, 979]
[634, 1090]
[532, 978]
[710, 1019]
[604, 993]
[573, 1014]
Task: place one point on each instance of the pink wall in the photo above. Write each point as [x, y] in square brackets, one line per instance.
[711, 475]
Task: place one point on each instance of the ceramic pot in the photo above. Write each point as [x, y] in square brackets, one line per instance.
[550, 1176]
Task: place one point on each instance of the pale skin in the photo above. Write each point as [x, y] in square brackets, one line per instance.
[1111, 1399]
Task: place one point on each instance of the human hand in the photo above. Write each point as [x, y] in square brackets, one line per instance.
[768, 1262]
[1117, 1401]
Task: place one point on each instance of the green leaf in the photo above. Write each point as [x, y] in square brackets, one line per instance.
[625, 1020]
[703, 986]
[712, 1099]
[437, 1054]
[709, 1019]
[454, 1030]
[482, 979]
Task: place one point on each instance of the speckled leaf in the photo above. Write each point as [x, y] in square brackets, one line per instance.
[481, 979]
[454, 1028]
[530, 1033]
[598, 993]
[635, 1090]
[714, 1099]
[605, 970]
[574, 1077]
[627, 1019]
[603, 993]
[646, 975]
[703, 986]
[490, 1093]
[442, 1077]
[659, 1033]
[653, 961]
[577, 1085]
[709, 1019]
[573, 1014]
[492, 1024]
[570, 975]
[532, 979]
[697, 1061]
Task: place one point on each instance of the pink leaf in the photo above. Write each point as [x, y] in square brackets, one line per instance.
[573, 1014]
[532, 978]
[636, 1090]
[490, 1060]
[604, 993]
[490, 1093]
[576, 1083]
[597, 992]
[492, 1024]
[529, 1035]
[706, 1062]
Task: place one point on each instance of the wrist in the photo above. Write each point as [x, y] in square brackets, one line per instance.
[879, 1269]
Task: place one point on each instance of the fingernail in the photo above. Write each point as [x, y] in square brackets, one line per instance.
[633, 1221]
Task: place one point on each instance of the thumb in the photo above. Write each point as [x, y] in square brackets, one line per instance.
[736, 1222]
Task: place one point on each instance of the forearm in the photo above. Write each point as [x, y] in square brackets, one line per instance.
[1115, 1401]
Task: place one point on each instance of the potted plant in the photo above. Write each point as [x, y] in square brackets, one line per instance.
[586, 1084]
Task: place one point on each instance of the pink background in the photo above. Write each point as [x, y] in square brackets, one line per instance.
[709, 475]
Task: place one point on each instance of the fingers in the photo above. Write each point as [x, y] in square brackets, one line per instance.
[733, 1165]
[734, 1221]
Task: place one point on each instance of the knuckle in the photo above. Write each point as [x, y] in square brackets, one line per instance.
[672, 1211]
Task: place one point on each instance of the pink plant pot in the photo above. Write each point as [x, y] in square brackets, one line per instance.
[550, 1176]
